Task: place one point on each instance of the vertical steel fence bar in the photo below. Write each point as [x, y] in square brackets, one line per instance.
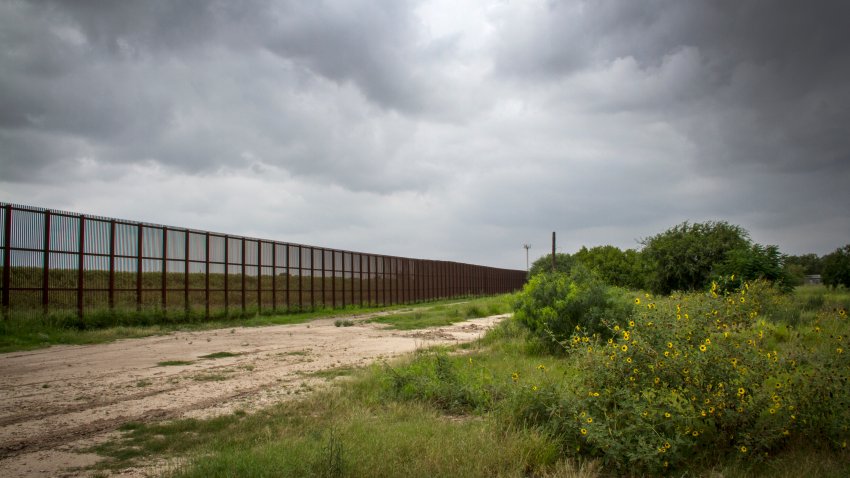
[207, 275]
[186, 272]
[300, 276]
[287, 277]
[312, 255]
[139, 243]
[45, 277]
[226, 274]
[243, 275]
[81, 263]
[112, 265]
[259, 276]
[274, 276]
[360, 272]
[7, 259]
[164, 270]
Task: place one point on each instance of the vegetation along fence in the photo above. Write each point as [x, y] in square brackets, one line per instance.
[61, 262]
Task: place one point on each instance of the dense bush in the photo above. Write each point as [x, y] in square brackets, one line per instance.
[694, 375]
[836, 268]
[553, 306]
[614, 266]
[563, 264]
[685, 256]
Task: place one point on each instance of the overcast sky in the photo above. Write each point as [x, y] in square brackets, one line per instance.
[452, 130]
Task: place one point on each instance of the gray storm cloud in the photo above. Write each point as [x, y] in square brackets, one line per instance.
[415, 128]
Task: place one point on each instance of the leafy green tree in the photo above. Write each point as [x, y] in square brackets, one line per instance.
[836, 268]
[811, 263]
[563, 263]
[756, 262]
[614, 266]
[684, 256]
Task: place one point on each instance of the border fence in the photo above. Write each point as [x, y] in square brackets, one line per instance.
[63, 262]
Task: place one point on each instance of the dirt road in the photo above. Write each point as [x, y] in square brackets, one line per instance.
[55, 401]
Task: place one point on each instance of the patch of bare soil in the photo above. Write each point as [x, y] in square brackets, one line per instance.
[56, 401]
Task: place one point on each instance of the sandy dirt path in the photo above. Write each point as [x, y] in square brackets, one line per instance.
[55, 402]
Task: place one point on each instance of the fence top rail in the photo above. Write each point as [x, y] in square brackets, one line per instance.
[42, 210]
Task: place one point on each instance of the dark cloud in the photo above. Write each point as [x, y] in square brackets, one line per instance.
[443, 130]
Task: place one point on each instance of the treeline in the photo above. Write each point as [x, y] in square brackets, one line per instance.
[690, 256]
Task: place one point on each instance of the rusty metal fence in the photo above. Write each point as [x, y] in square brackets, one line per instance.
[62, 262]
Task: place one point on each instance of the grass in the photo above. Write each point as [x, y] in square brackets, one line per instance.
[447, 314]
[27, 333]
[174, 363]
[442, 412]
[217, 355]
[332, 373]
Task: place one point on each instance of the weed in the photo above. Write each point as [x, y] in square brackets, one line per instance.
[217, 355]
[174, 363]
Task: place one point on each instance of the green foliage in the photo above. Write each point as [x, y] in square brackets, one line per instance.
[614, 266]
[836, 267]
[553, 306]
[563, 263]
[685, 256]
[810, 263]
[756, 262]
[700, 375]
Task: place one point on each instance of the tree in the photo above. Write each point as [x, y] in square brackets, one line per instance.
[615, 267]
[756, 262]
[563, 263]
[811, 263]
[684, 256]
[836, 268]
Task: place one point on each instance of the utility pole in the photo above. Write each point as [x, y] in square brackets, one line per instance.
[554, 267]
[526, 247]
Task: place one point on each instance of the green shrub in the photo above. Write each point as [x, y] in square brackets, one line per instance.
[555, 305]
[696, 375]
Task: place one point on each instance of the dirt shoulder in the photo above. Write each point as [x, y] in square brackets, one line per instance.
[56, 401]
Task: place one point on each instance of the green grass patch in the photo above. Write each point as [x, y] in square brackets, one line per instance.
[217, 355]
[174, 363]
[447, 314]
[28, 331]
[332, 373]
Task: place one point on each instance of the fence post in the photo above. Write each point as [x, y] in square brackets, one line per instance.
[111, 261]
[243, 276]
[186, 274]
[81, 265]
[288, 278]
[322, 253]
[164, 271]
[45, 275]
[226, 274]
[312, 253]
[300, 278]
[207, 276]
[259, 276]
[274, 276]
[139, 246]
[333, 278]
[7, 259]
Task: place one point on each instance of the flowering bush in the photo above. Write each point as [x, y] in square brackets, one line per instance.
[692, 375]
